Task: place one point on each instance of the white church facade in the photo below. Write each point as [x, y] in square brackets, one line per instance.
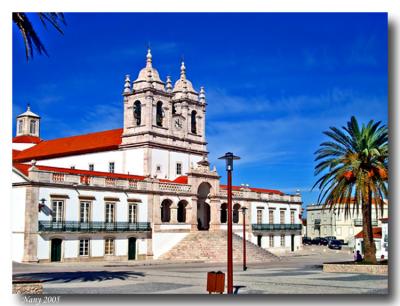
[136, 192]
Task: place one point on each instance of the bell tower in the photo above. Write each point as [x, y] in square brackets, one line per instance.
[28, 123]
[166, 122]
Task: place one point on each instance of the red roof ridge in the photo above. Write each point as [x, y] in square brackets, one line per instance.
[261, 190]
[376, 233]
[73, 145]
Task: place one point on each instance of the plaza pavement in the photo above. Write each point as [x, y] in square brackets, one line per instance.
[299, 273]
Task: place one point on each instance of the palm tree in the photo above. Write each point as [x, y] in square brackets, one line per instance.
[31, 39]
[355, 166]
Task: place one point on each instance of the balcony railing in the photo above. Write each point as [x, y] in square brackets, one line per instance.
[276, 227]
[359, 222]
[95, 226]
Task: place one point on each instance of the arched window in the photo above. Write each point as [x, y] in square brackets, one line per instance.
[33, 127]
[235, 217]
[159, 114]
[182, 211]
[193, 122]
[166, 211]
[20, 125]
[224, 214]
[137, 112]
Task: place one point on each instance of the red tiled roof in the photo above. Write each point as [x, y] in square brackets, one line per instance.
[376, 233]
[261, 190]
[181, 180]
[24, 169]
[15, 153]
[93, 142]
[26, 139]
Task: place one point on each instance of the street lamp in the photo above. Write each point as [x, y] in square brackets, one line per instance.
[229, 158]
[244, 238]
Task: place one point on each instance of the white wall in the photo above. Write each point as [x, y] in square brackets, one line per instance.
[124, 161]
[22, 146]
[17, 244]
[168, 159]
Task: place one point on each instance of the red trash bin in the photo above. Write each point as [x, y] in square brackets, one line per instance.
[215, 282]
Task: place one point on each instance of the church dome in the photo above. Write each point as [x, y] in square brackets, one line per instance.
[183, 84]
[148, 74]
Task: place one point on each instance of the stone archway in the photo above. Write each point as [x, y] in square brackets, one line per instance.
[203, 206]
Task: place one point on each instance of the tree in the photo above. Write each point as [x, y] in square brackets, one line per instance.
[354, 164]
[31, 39]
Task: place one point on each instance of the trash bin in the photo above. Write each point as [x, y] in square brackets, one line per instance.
[215, 282]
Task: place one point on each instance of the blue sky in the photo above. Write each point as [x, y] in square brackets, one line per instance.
[274, 82]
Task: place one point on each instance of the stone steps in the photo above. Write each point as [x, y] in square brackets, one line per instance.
[212, 246]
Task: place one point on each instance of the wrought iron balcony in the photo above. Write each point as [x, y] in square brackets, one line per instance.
[95, 226]
[359, 222]
[276, 227]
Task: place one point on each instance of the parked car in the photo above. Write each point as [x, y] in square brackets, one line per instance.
[323, 241]
[341, 241]
[329, 238]
[307, 240]
[335, 244]
[319, 241]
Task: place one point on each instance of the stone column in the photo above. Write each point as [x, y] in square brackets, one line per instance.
[215, 221]
[194, 214]
[31, 224]
[156, 211]
[189, 211]
[150, 218]
[174, 214]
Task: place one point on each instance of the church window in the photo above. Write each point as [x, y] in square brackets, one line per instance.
[224, 214]
[32, 129]
[158, 168]
[137, 112]
[259, 216]
[235, 217]
[91, 167]
[111, 167]
[84, 247]
[283, 240]
[159, 114]
[109, 246]
[178, 168]
[58, 211]
[20, 125]
[173, 109]
[132, 213]
[166, 211]
[109, 213]
[193, 122]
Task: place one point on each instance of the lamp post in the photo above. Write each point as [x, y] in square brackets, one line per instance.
[244, 238]
[229, 158]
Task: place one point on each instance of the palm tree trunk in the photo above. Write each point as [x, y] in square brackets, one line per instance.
[369, 245]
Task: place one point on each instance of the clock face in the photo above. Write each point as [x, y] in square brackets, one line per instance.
[178, 123]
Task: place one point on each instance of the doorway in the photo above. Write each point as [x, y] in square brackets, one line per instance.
[259, 237]
[56, 249]
[132, 248]
[203, 208]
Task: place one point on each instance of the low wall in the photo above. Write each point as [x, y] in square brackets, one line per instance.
[27, 287]
[355, 268]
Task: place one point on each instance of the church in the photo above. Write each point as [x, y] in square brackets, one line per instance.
[143, 191]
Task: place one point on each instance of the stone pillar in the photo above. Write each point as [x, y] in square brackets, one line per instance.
[156, 211]
[194, 214]
[189, 212]
[147, 162]
[174, 214]
[31, 224]
[215, 221]
[150, 218]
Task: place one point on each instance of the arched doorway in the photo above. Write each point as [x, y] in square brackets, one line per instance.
[224, 213]
[182, 211]
[56, 249]
[166, 210]
[203, 208]
[235, 216]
